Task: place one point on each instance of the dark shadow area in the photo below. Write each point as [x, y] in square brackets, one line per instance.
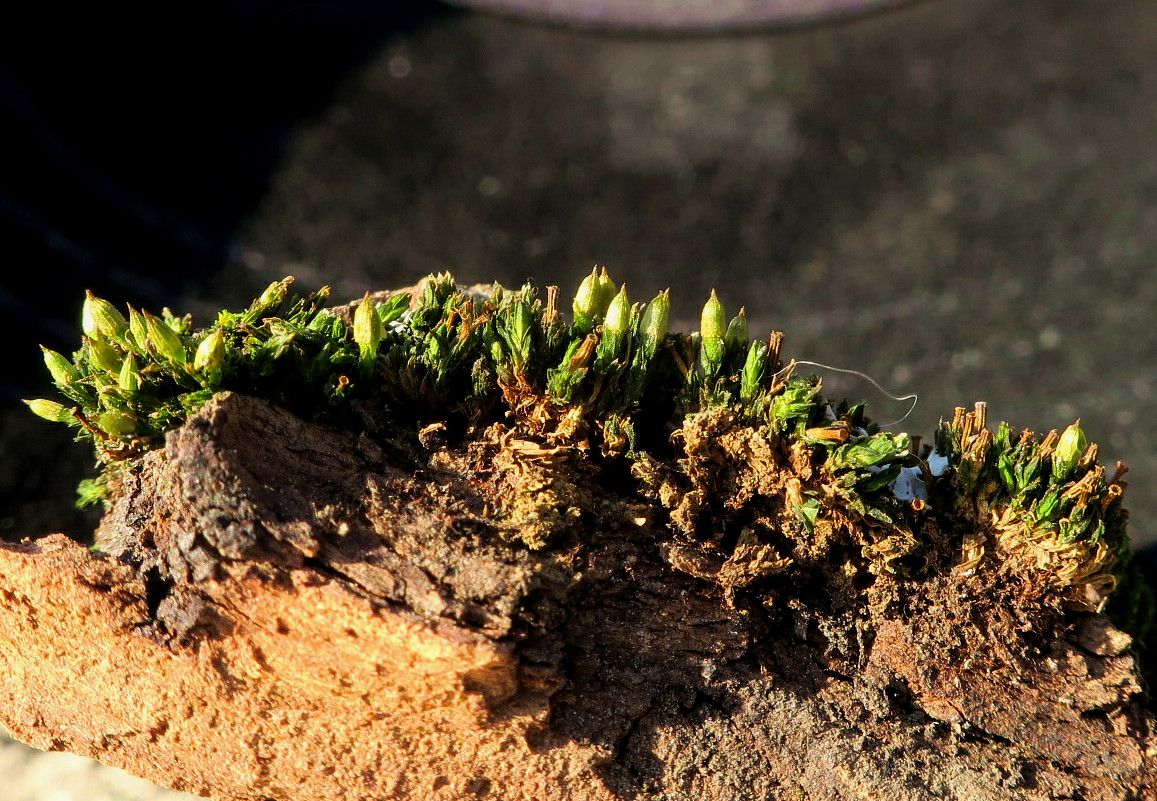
[135, 147]
[135, 143]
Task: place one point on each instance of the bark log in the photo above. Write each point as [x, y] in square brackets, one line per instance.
[291, 612]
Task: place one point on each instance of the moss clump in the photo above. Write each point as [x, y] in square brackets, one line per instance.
[1042, 503]
[755, 468]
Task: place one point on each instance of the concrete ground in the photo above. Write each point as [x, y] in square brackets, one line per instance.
[30, 775]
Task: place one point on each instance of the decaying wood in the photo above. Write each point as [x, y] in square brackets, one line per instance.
[288, 612]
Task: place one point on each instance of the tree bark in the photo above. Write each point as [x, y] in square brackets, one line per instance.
[286, 611]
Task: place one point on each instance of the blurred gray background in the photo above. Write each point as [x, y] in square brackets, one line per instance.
[959, 199]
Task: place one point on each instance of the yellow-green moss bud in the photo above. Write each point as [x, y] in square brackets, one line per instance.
[102, 355]
[606, 290]
[583, 306]
[128, 378]
[138, 329]
[618, 319]
[117, 424]
[62, 370]
[99, 317]
[1070, 448]
[738, 332]
[616, 326]
[713, 320]
[653, 326]
[50, 410]
[210, 353]
[713, 334]
[594, 296]
[754, 371]
[274, 294]
[164, 340]
[367, 329]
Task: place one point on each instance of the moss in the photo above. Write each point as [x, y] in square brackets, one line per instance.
[1036, 505]
[534, 499]
[756, 471]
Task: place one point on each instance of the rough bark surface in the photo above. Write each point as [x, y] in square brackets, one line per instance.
[291, 612]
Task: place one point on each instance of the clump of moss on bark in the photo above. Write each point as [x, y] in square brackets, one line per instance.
[756, 471]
